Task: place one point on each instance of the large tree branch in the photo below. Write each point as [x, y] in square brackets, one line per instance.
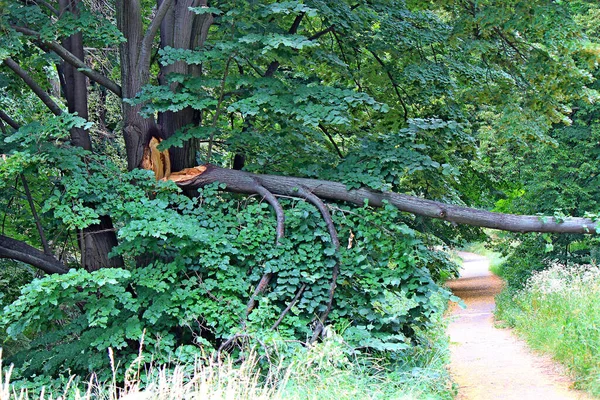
[41, 93]
[21, 251]
[73, 60]
[242, 182]
[6, 118]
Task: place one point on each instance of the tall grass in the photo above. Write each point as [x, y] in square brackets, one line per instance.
[558, 312]
[318, 375]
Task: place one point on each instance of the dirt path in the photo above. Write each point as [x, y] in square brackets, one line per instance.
[491, 363]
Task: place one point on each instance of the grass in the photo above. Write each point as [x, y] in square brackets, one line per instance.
[324, 372]
[328, 370]
[558, 312]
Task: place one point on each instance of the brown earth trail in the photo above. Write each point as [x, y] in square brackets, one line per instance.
[491, 363]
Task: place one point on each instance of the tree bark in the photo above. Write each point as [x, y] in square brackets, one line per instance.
[182, 29]
[75, 82]
[135, 73]
[21, 251]
[98, 240]
[135, 127]
[244, 182]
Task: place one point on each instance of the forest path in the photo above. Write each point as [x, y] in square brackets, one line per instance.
[491, 363]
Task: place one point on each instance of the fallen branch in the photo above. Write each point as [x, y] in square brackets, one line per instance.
[241, 182]
[262, 285]
[266, 278]
[335, 241]
[272, 200]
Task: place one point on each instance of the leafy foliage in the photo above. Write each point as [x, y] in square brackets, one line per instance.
[193, 264]
[555, 178]
[438, 99]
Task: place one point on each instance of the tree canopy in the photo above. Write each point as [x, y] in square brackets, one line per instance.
[312, 157]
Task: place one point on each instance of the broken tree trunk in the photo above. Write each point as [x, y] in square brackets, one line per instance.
[244, 182]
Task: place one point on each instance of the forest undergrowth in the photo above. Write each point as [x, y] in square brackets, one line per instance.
[327, 370]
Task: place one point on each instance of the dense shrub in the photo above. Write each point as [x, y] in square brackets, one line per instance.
[192, 265]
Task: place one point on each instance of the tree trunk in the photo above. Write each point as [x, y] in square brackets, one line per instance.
[99, 240]
[133, 77]
[96, 241]
[182, 29]
[75, 82]
[244, 182]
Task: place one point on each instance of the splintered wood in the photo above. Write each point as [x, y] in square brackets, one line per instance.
[156, 160]
[159, 162]
[186, 174]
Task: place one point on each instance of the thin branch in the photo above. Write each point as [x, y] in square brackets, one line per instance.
[231, 340]
[4, 117]
[49, 6]
[10, 201]
[73, 60]
[289, 306]
[41, 93]
[393, 81]
[36, 218]
[333, 143]
[343, 53]
[260, 288]
[144, 57]
[274, 66]
[323, 32]
[508, 42]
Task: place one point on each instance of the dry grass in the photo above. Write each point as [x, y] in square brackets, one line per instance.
[214, 381]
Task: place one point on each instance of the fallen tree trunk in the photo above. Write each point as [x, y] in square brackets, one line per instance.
[244, 182]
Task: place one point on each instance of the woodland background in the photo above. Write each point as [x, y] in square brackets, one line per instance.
[475, 105]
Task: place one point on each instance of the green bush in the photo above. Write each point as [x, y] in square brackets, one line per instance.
[332, 369]
[192, 265]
